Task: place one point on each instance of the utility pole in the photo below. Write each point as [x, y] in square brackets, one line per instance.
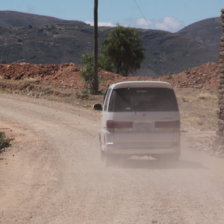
[220, 131]
[95, 78]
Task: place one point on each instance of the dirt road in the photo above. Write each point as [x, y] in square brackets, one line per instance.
[53, 174]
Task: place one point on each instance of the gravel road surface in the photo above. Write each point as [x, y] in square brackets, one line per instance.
[53, 174]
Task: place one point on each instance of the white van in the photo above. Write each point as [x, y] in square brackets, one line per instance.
[140, 118]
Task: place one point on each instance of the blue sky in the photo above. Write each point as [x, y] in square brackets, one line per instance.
[170, 15]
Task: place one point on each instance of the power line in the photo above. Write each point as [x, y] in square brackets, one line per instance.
[141, 12]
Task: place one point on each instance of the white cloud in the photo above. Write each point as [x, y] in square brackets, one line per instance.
[143, 22]
[106, 24]
[101, 24]
[89, 23]
[169, 24]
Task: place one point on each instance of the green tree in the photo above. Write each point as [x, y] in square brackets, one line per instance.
[105, 63]
[87, 71]
[124, 49]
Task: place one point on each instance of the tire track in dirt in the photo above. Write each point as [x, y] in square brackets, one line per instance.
[56, 175]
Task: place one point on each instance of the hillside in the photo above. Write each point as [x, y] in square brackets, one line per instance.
[12, 18]
[50, 44]
[169, 53]
[48, 40]
[208, 32]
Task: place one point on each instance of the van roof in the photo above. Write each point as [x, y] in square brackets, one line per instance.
[127, 84]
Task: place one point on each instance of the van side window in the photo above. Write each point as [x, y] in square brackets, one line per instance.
[106, 98]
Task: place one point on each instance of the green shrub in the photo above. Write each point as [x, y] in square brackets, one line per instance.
[169, 76]
[87, 71]
[4, 142]
[187, 71]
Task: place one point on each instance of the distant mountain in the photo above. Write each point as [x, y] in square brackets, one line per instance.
[46, 44]
[207, 32]
[47, 40]
[168, 53]
[12, 18]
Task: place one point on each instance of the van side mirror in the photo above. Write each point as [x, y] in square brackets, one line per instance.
[97, 106]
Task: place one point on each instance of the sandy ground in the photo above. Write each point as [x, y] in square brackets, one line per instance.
[53, 174]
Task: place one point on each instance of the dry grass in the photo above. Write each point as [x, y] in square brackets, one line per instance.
[198, 108]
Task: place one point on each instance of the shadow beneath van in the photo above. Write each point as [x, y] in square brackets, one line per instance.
[156, 164]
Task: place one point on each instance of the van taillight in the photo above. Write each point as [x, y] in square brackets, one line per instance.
[112, 125]
[167, 124]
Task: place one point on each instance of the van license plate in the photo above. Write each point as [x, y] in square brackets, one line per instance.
[144, 127]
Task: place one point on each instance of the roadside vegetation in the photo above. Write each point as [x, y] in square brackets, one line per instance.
[4, 141]
[198, 108]
[124, 49]
[122, 53]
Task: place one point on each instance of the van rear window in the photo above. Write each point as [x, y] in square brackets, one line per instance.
[143, 99]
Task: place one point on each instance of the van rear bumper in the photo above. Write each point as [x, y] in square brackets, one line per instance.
[141, 151]
[141, 143]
